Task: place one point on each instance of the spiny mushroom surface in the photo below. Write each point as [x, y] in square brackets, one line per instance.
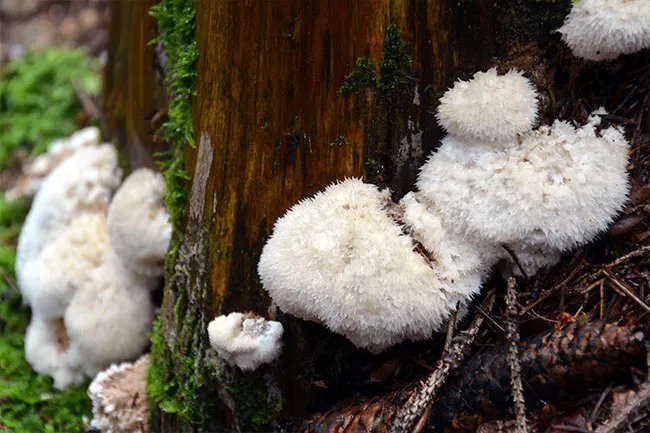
[556, 187]
[339, 259]
[246, 340]
[119, 398]
[138, 207]
[489, 107]
[81, 184]
[604, 29]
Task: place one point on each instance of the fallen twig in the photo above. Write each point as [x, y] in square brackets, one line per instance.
[454, 354]
[514, 360]
[641, 401]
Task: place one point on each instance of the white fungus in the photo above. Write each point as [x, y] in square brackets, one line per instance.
[604, 29]
[83, 183]
[119, 398]
[558, 187]
[245, 340]
[340, 260]
[139, 208]
[87, 269]
[489, 107]
[380, 273]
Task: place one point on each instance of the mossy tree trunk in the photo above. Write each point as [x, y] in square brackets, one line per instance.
[275, 120]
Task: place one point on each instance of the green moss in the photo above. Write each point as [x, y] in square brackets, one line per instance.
[395, 68]
[176, 26]
[28, 402]
[38, 100]
[364, 76]
[397, 64]
[171, 387]
[340, 141]
[254, 410]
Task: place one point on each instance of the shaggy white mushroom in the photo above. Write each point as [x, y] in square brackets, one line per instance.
[65, 265]
[46, 350]
[109, 318]
[140, 202]
[340, 260]
[91, 306]
[489, 107]
[604, 29]
[246, 340]
[547, 191]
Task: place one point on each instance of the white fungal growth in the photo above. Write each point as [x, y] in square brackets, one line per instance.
[246, 340]
[138, 222]
[87, 269]
[489, 107]
[83, 183]
[340, 260]
[604, 29]
[555, 188]
[119, 398]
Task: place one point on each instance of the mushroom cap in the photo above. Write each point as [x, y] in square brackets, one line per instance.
[245, 340]
[49, 281]
[558, 188]
[138, 222]
[489, 107]
[340, 260]
[604, 29]
[109, 319]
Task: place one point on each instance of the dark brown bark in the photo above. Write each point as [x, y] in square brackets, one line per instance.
[134, 102]
[270, 129]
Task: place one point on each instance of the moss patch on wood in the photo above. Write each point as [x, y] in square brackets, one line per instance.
[169, 391]
[176, 26]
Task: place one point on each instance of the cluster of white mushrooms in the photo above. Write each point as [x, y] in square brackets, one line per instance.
[496, 190]
[88, 257]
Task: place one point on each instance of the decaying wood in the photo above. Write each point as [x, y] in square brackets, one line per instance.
[557, 365]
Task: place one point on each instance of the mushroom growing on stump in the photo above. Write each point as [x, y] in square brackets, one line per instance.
[540, 192]
[380, 273]
[340, 259]
[604, 29]
[246, 340]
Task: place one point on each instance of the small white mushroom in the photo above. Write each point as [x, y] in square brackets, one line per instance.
[119, 398]
[245, 340]
[604, 29]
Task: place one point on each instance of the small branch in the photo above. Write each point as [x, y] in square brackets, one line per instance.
[514, 360]
[421, 400]
[640, 402]
[515, 259]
